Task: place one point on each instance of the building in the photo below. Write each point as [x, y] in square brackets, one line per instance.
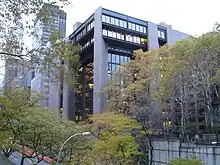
[107, 39]
[14, 69]
[43, 32]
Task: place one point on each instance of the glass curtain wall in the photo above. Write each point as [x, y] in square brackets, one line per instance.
[84, 92]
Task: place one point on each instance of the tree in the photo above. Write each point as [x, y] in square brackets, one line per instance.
[183, 161]
[17, 25]
[114, 142]
[31, 131]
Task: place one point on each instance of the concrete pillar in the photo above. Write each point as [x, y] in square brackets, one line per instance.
[69, 108]
[152, 36]
[100, 65]
[54, 95]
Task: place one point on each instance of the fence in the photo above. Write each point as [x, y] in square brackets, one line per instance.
[165, 150]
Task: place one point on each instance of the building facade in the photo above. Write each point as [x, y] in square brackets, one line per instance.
[43, 32]
[107, 39]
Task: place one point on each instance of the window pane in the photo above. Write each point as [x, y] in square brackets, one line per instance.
[118, 59]
[129, 25]
[92, 24]
[122, 37]
[131, 38]
[125, 24]
[104, 32]
[113, 58]
[114, 34]
[125, 59]
[162, 34]
[116, 22]
[158, 32]
[145, 30]
[138, 40]
[110, 33]
[121, 23]
[112, 21]
[116, 67]
[118, 35]
[121, 59]
[133, 26]
[137, 28]
[127, 38]
[113, 67]
[109, 57]
[141, 29]
[107, 19]
[143, 41]
[109, 67]
[134, 39]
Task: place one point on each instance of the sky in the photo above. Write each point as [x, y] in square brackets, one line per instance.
[194, 17]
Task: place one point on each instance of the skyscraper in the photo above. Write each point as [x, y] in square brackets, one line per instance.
[43, 31]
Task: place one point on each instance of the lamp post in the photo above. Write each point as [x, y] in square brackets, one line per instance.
[76, 134]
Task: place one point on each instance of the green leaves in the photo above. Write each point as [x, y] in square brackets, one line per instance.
[24, 124]
[115, 143]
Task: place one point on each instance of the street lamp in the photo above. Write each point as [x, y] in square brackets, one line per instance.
[76, 134]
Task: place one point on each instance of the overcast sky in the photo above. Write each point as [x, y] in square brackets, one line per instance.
[190, 16]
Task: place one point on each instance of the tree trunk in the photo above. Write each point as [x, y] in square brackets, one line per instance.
[197, 119]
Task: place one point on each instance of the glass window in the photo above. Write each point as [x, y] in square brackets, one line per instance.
[116, 22]
[122, 37]
[138, 28]
[145, 31]
[109, 33]
[143, 41]
[114, 34]
[133, 26]
[121, 59]
[129, 25]
[138, 40]
[141, 29]
[131, 38]
[107, 19]
[118, 35]
[162, 34]
[113, 67]
[134, 39]
[118, 59]
[109, 67]
[125, 24]
[158, 32]
[103, 18]
[121, 23]
[109, 57]
[104, 32]
[127, 37]
[92, 24]
[113, 58]
[116, 67]
[112, 21]
[88, 28]
[124, 59]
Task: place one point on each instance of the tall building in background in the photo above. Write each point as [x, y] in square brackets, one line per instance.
[56, 24]
[14, 67]
[107, 39]
[14, 70]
